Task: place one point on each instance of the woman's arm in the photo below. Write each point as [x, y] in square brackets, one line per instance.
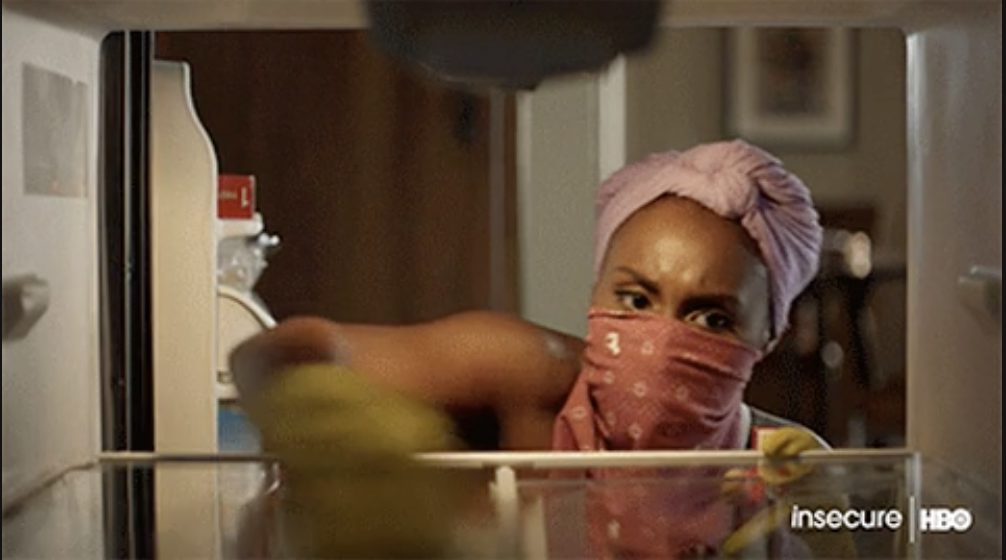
[468, 361]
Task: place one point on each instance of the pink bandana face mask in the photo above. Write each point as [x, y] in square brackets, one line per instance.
[651, 382]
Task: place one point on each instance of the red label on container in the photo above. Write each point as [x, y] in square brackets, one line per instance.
[236, 197]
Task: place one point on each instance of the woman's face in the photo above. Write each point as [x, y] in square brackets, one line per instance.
[676, 258]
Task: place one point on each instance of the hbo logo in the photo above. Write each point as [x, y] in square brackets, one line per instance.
[944, 520]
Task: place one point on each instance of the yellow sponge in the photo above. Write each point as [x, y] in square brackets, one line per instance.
[351, 488]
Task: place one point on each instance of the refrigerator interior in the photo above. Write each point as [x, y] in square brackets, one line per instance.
[61, 482]
[529, 505]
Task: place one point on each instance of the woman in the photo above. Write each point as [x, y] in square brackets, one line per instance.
[698, 257]
[720, 237]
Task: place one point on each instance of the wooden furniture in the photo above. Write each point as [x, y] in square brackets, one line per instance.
[827, 371]
[378, 180]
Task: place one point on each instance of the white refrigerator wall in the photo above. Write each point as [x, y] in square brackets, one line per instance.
[51, 379]
[183, 173]
[955, 221]
[51, 375]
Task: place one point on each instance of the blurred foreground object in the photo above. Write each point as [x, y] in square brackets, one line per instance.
[510, 44]
[350, 486]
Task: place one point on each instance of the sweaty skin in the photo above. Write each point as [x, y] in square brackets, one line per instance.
[503, 380]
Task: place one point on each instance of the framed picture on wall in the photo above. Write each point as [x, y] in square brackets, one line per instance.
[791, 87]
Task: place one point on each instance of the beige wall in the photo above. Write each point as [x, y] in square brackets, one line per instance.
[557, 171]
[675, 99]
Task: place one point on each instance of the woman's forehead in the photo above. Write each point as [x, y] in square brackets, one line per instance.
[677, 237]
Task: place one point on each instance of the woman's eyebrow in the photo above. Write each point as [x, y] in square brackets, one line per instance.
[729, 302]
[637, 277]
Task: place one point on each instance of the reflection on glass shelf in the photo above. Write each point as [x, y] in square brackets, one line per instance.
[864, 504]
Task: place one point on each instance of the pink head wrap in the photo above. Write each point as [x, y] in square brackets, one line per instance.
[739, 182]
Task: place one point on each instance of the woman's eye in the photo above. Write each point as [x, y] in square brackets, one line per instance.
[715, 320]
[634, 301]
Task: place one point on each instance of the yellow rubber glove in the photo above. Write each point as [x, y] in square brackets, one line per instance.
[350, 485]
[783, 473]
[782, 446]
